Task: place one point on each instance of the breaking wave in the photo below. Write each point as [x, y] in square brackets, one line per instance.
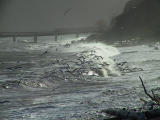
[56, 63]
[100, 53]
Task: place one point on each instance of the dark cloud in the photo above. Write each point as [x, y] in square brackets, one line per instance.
[41, 15]
[3, 4]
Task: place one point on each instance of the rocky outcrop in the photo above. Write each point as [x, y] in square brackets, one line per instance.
[140, 20]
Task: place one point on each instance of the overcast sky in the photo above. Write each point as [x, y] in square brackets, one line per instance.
[42, 15]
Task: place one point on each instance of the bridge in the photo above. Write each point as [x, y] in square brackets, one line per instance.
[56, 33]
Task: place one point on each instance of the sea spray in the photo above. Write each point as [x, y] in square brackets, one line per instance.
[106, 66]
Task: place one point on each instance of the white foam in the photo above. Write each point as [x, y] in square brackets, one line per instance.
[100, 49]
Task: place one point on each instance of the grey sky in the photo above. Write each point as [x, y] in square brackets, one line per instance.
[42, 15]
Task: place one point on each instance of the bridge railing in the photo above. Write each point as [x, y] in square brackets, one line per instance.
[55, 32]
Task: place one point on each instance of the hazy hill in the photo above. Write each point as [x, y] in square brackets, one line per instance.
[140, 20]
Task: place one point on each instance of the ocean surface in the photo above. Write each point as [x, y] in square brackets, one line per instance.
[71, 79]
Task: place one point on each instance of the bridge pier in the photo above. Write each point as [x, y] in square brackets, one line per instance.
[35, 38]
[55, 33]
[56, 37]
[77, 35]
[14, 38]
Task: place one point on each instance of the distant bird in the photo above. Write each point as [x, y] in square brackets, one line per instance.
[44, 53]
[67, 11]
[5, 101]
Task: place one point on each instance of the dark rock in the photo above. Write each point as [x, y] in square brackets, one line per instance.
[139, 22]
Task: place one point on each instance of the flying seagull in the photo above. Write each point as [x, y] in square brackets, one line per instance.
[67, 11]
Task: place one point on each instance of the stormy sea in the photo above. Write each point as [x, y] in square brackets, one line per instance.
[72, 79]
